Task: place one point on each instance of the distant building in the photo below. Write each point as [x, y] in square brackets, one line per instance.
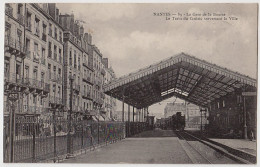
[172, 108]
[191, 112]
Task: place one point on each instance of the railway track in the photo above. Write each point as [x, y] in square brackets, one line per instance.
[201, 153]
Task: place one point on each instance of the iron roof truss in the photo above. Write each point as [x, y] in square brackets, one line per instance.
[183, 76]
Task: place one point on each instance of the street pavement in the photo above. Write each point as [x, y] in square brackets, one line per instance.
[150, 147]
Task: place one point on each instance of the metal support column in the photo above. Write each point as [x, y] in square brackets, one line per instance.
[128, 130]
[201, 120]
[133, 114]
[142, 114]
[139, 115]
[123, 110]
[245, 126]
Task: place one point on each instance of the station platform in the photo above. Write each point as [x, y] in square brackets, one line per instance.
[247, 146]
[244, 147]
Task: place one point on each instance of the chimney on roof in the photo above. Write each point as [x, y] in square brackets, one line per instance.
[105, 62]
[81, 31]
[90, 39]
[67, 22]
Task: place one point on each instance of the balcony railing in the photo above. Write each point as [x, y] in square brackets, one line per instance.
[20, 18]
[55, 77]
[34, 109]
[26, 82]
[77, 108]
[15, 44]
[55, 100]
[9, 10]
[13, 78]
[37, 84]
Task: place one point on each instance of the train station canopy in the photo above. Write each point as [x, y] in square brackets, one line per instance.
[183, 76]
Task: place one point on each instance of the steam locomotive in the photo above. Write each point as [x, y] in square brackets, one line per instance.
[178, 121]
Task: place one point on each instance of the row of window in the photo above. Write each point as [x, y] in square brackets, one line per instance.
[75, 65]
[57, 34]
[54, 69]
[59, 93]
[54, 55]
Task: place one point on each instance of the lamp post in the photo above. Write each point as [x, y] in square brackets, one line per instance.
[69, 142]
[13, 97]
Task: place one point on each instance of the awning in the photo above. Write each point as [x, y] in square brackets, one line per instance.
[182, 76]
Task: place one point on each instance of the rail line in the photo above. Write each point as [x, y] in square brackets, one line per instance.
[185, 138]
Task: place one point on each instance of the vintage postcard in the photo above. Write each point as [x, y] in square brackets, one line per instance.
[130, 83]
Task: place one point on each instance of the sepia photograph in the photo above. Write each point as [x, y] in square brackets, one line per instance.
[129, 83]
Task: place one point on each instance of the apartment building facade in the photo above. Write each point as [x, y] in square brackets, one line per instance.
[109, 101]
[14, 55]
[98, 76]
[44, 52]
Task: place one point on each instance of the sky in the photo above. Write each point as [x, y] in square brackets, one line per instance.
[132, 37]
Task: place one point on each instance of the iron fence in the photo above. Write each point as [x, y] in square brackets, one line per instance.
[133, 128]
[37, 139]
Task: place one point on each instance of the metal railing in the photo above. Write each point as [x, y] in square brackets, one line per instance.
[55, 100]
[13, 78]
[37, 139]
[133, 128]
[55, 77]
[15, 44]
[36, 84]
[34, 109]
